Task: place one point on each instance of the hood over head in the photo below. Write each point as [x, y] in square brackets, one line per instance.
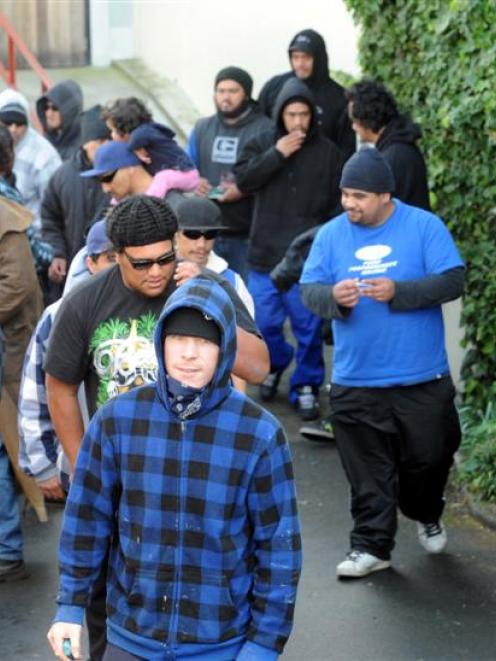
[212, 300]
[293, 90]
[68, 97]
[401, 129]
[10, 96]
[164, 152]
[311, 42]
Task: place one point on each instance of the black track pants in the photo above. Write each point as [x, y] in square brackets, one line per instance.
[396, 446]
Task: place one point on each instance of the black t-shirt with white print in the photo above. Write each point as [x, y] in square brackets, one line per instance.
[103, 335]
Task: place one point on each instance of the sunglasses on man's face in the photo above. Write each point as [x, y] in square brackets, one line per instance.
[50, 106]
[197, 234]
[146, 264]
[107, 177]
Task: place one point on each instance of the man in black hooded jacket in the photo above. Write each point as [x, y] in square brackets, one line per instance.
[309, 63]
[376, 119]
[293, 172]
[59, 112]
[71, 202]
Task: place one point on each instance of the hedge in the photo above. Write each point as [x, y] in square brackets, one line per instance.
[438, 57]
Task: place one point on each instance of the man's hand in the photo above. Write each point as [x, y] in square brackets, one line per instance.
[232, 194]
[203, 187]
[290, 143]
[61, 631]
[346, 293]
[52, 489]
[185, 271]
[380, 289]
[57, 269]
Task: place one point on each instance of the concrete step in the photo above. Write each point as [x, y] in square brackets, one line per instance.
[165, 99]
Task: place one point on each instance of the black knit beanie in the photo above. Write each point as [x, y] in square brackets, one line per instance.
[239, 75]
[139, 221]
[369, 171]
[92, 125]
[191, 322]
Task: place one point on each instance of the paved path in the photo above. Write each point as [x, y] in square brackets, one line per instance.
[425, 609]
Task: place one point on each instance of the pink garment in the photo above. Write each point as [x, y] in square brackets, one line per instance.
[166, 180]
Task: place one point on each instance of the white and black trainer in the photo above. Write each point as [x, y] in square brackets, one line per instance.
[360, 563]
[432, 536]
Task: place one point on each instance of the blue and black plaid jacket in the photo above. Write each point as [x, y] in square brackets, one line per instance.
[200, 513]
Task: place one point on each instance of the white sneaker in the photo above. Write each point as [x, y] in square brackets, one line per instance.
[359, 563]
[432, 536]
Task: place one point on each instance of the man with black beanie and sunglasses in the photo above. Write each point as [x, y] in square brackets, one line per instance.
[214, 146]
[103, 336]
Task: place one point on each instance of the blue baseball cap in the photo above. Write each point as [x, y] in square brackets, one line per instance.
[110, 157]
[97, 240]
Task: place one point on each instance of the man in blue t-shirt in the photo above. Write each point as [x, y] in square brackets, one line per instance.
[381, 271]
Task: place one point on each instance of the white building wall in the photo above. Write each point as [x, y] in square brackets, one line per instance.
[111, 31]
[190, 40]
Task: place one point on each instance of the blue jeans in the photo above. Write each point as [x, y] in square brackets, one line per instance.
[234, 250]
[272, 308]
[10, 520]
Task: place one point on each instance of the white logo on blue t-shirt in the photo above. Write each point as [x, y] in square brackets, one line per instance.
[372, 257]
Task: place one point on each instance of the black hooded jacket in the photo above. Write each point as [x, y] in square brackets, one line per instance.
[397, 144]
[69, 206]
[291, 194]
[68, 98]
[329, 96]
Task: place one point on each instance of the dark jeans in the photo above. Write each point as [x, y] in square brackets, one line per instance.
[234, 250]
[113, 653]
[396, 446]
[96, 616]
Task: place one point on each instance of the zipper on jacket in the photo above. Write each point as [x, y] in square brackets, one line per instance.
[179, 550]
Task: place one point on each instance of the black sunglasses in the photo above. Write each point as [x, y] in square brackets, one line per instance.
[196, 234]
[107, 178]
[51, 106]
[146, 264]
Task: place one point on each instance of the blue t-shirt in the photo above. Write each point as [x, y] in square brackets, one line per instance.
[376, 346]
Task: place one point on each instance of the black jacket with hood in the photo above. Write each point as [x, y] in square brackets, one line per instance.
[291, 194]
[68, 98]
[69, 206]
[397, 144]
[330, 99]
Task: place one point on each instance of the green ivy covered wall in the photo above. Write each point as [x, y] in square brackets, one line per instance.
[438, 57]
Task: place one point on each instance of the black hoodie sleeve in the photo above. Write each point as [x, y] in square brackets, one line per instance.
[319, 299]
[258, 163]
[268, 95]
[345, 136]
[428, 292]
[52, 217]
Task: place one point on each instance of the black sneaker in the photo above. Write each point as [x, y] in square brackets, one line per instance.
[268, 388]
[318, 431]
[12, 570]
[307, 403]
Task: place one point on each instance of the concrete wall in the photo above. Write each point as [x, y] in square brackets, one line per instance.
[111, 31]
[190, 40]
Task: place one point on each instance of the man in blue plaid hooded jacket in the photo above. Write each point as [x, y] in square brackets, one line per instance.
[189, 487]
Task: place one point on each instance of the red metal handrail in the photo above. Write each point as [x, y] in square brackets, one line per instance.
[15, 41]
